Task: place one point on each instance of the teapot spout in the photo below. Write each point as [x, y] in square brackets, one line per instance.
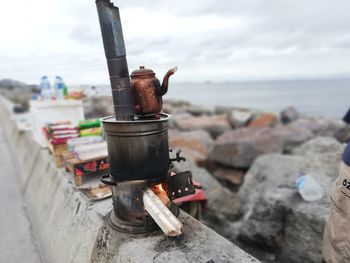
[165, 83]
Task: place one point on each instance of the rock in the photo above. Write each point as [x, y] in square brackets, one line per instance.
[175, 106]
[199, 110]
[276, 218]
[168, 108]
[223, 109]
[239, 148]
[320, 126]
[231, 177]
[97, 107]
[227, 109]
[265, 225]
[215, 125]
[239, 118]
[343, 134]
[179, 106]
[196, 144]
[303, 233]
[289, 115]
[263, 120]
[176, 103]
[222, 204]
[175, 117]
[197, 157]
[290, 137]
[323, 146]
[18, 92]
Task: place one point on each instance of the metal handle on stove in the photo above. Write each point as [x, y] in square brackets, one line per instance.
[178, 158]
[107, 179]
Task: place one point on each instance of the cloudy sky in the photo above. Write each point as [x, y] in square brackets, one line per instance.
[208, 40]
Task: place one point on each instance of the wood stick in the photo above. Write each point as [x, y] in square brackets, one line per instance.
[165, 219]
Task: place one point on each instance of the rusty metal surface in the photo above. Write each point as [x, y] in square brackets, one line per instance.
[148, 91]
[127, 200]
[113, 42]
[129, 214]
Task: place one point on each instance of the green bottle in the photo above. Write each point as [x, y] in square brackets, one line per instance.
[65, 91]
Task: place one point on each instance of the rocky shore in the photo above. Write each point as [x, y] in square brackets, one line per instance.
[249, 161]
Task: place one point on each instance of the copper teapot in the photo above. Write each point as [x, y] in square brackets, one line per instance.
[148, 91]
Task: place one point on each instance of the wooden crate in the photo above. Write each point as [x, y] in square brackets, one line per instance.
[56, 151]
[84, 168]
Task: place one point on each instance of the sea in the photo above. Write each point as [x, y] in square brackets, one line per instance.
[316, 97]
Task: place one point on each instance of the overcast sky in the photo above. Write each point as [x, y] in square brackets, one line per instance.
[206, 39]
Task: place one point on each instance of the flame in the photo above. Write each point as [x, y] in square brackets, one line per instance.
[159, 188]
[161, 191]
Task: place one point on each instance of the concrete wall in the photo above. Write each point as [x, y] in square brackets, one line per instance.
[70, 228]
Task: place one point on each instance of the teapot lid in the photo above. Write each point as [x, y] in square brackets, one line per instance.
[142, 71]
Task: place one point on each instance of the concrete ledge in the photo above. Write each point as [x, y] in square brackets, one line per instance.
[70, 228]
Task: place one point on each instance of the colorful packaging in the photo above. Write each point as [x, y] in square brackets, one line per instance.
[86, 124]
[91, 131]
[82, 141]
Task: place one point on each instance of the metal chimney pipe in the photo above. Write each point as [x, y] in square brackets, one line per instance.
[113, 42]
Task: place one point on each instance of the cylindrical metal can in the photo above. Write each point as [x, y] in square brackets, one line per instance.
[137, 149]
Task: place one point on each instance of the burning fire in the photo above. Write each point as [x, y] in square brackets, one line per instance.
[159, 188]
[161, 191]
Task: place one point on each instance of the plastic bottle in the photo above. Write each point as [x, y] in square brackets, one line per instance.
[45, 87]
[59, 86]
[65, 91]
[308, 188]
[55, 85]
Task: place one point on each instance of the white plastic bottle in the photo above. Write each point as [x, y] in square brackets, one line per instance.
[59, 86]
[45, 87]
[308, 188]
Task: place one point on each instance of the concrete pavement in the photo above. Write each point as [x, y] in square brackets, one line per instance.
[16, 242]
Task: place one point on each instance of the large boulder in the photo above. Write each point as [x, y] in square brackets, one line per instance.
[224, 109]
[174, 106]
[263, 120]
[177, 116]
[289, 137]
[196, 144]
[239, 148]
[222, 205]
[321, 126]
[276, 217]
[240, 117]
[237, 116]
[232, 178]
[321, 147]
[343, 134]
[215, 125]
[197, 110]
[179, 106]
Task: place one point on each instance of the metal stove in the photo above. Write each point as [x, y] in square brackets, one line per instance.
[140, 166]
